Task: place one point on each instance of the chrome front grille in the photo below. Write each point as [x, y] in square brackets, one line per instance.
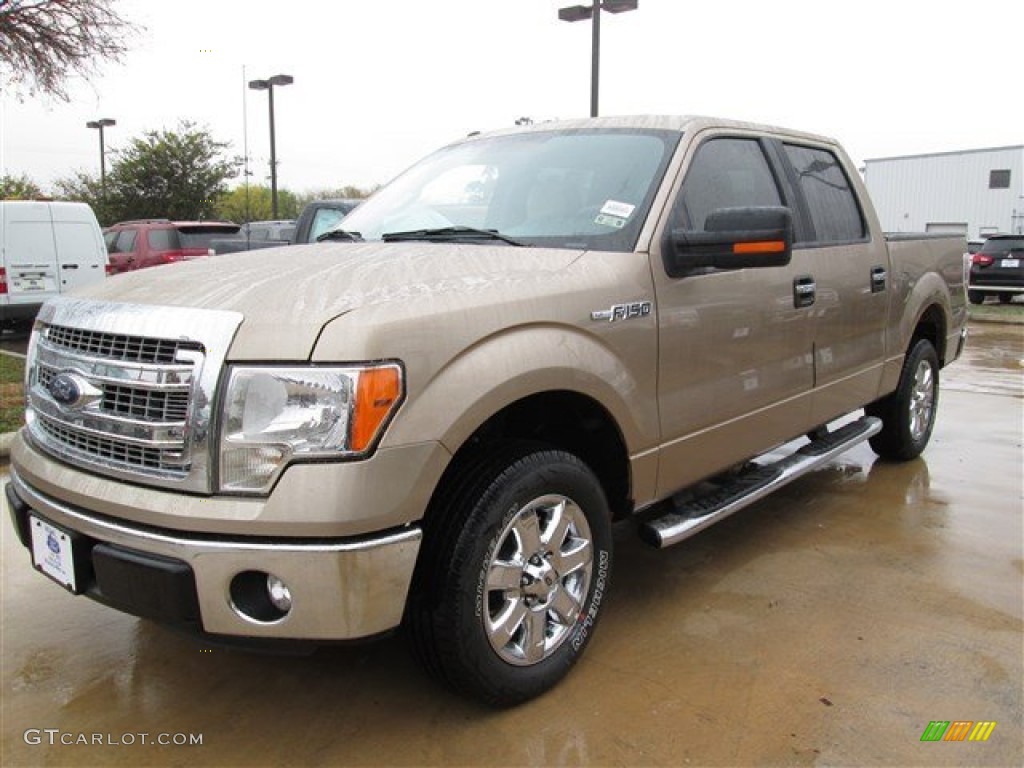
[135, 405]
[115, 346]
[147, 404]
[106, 449]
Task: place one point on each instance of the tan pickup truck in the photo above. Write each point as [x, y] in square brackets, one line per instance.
[431, 419]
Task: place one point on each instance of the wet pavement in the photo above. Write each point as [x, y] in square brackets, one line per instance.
[828, 624]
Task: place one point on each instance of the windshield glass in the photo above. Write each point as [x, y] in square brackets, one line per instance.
[587, 189]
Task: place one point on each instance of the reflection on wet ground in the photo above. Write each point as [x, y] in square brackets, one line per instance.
[827, 624]
[993, 361]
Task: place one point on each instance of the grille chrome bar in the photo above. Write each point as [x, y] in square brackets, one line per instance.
[152, 376]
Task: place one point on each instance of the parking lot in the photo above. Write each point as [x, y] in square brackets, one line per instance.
[828, 624]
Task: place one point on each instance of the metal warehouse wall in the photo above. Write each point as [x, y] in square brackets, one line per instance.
[951, 188]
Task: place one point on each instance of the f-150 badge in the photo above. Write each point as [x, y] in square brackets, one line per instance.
[618, 312]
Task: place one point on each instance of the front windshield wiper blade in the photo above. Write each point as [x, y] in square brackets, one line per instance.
[449, 233]
[340, 234]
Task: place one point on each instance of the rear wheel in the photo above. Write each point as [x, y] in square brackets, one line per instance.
[512, 576]
[976, 297]
[1005, 298]
[908, 414]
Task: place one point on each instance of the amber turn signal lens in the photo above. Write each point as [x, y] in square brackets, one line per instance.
[378, 392]
[764, 246]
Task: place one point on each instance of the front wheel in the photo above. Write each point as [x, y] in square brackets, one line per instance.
[513, 575]
[908, 414]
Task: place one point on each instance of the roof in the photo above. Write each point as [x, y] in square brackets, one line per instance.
[681, 123]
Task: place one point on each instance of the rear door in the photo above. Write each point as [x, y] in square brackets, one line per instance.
[81, 254]
[850, 273]
[29, 252]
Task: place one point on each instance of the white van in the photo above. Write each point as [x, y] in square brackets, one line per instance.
[46, 249]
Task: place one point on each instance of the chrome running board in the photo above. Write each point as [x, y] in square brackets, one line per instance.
[681, 518]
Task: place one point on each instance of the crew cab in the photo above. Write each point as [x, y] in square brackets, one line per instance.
[430, 419]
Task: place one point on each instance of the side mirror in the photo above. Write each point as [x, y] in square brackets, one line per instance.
[733, 238]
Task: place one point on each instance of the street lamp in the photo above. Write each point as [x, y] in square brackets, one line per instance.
[105, 122]
[581, 12]
[268, 86]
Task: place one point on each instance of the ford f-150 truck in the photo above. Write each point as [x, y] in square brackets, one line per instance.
[432, 419]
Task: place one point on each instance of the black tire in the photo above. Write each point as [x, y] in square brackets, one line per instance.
[488, 582]
[1005, 298]
[908, 414]
[976, 297]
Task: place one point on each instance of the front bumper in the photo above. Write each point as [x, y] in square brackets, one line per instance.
[340, 588]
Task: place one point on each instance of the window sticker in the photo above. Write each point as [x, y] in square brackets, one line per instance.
[614, 214]
[617, 209]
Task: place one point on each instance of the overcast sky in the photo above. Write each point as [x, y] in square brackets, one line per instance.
[379, 83]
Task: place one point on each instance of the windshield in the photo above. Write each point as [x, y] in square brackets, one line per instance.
[559, 189]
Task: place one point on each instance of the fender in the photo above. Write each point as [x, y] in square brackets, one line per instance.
[516, 363]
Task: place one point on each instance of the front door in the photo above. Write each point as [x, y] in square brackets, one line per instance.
[735, 352]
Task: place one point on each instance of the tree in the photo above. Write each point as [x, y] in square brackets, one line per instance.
[334, 193]
[82, 187]
[164, 174]
[44, 42]
[243, 204]
[173, 174]
[19, 188]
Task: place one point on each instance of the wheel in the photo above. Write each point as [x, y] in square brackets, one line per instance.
[512, 575]
[976, 297]
[908, 414]
[1005, 298]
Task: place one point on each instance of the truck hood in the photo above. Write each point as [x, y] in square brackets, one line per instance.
[287, 295]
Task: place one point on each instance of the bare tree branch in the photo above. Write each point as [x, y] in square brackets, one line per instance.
[44, 42]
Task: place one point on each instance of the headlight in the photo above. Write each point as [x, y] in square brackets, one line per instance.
[272, 416]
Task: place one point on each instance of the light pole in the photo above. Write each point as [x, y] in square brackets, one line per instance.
[268, 86]
[100, 124]
[581, 12]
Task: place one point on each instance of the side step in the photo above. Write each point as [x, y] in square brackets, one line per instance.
[681, 519]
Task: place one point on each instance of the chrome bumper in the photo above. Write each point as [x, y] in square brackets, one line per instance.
[340, 589]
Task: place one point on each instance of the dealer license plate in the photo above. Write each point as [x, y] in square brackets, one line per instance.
[1011, 262]
[51, 552]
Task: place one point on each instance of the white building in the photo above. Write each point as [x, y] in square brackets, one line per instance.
[977, 192]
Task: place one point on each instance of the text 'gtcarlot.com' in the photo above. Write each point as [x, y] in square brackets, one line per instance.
[55, 737]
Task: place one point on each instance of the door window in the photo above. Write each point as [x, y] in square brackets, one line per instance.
[830, 199]
[726, 173]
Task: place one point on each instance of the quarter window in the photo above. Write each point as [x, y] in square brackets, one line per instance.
[831, 202]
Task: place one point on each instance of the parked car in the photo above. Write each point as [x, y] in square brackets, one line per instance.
[319, 216]
[144, 243]
[46, 249]
[997, 269]
[256, 235]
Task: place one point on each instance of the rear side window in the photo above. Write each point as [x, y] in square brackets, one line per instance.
[831, 201]
[163, 240]
[727, 173]
[120, 242]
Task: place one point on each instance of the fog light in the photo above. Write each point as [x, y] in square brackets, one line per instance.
[260, 596]
[279, 593]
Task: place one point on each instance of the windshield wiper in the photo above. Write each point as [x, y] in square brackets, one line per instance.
[340, 234]
[449, 234]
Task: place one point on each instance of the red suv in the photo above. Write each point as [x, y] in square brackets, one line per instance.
[151, 242]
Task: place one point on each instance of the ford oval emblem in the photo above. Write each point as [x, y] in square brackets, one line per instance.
[65, 388]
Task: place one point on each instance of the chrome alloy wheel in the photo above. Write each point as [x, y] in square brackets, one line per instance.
[537, 579]
[922, 400]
